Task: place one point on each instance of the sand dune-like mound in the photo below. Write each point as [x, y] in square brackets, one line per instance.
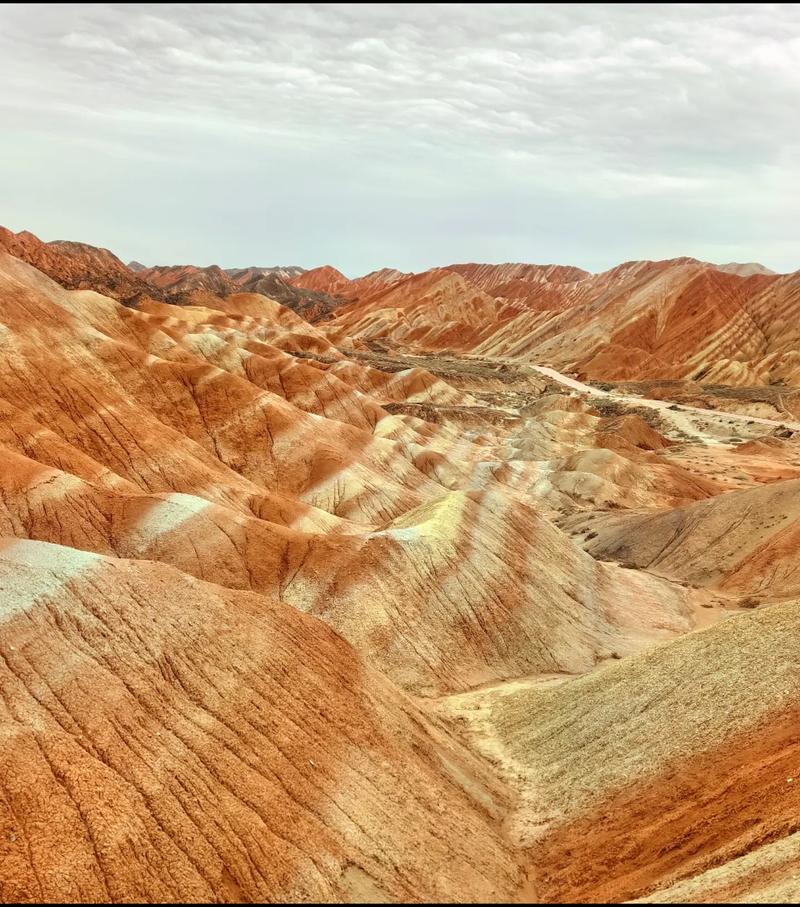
[605, 476]
[744, 541]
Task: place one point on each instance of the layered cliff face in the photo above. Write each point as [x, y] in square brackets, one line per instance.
[516, 279]
[291, 611]
[682, 319]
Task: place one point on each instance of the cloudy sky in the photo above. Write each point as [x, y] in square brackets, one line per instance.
[404, 135]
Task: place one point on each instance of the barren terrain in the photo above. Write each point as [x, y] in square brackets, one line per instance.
[476, 584]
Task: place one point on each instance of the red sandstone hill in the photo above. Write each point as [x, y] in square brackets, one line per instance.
[183, 284]
[76, 266]
[492, 277]
[641, 320]
[245, 276]
[184, 280]
[285, 617]
[81, 266]
[331, 281]
[323, 279]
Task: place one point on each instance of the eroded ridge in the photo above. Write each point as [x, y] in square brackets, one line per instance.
[370, 591]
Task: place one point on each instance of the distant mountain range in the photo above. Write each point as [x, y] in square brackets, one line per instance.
[680, 318]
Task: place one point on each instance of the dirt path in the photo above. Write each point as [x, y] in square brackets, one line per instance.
[664, 405]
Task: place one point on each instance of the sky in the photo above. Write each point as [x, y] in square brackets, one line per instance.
[404, 135]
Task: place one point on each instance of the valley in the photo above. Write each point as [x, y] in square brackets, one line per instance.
[396, 588]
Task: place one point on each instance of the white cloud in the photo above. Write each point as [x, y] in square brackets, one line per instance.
[334, 131]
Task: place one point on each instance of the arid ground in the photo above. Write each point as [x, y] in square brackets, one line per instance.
[476, 584]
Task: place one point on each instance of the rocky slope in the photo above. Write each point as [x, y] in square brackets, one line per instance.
[77, 266]
[671, 774]
[745, 541]
[291, 612]
[680, 319]
[169, 739]
[332, 282]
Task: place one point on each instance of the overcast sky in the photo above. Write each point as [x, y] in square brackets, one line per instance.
[404, 135]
